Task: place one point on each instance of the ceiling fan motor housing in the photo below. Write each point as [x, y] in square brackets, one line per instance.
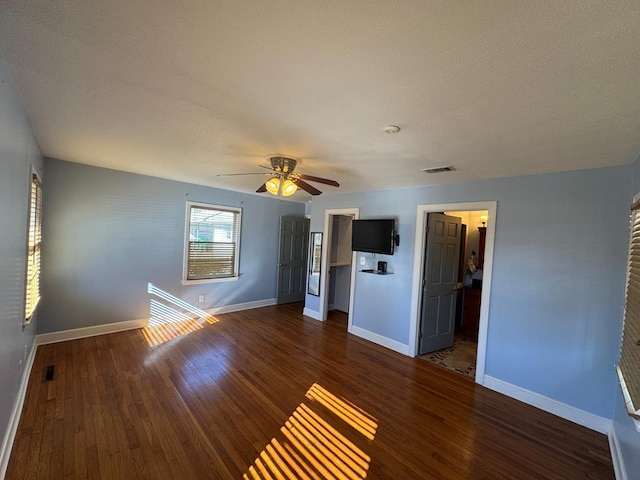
[283, 164]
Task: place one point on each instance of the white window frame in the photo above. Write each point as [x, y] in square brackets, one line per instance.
[630, 315]
[30, 309]
[236, 267]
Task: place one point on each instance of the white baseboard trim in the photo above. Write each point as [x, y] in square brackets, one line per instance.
[84, 332]
[616, 457]
[380, 340]
[237, 307]
[573, 414]
[312, 313]
[14, 419]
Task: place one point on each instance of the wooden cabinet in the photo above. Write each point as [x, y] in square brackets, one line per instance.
[471, 311]
[482, 237]
[472, 294]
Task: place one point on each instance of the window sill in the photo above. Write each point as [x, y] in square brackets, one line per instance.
[210, 280]
[627, 400]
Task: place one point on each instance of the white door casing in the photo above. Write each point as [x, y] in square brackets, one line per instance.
[418, 264]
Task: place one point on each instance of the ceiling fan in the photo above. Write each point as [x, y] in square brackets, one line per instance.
[284, 181]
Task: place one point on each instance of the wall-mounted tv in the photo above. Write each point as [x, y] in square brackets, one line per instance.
[373, 236]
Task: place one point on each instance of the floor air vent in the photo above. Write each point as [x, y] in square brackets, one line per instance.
[49, 372]
[447, 168]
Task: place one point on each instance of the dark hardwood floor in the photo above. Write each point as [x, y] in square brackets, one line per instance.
[253, 393]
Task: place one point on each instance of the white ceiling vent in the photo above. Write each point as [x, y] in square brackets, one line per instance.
[447, 168]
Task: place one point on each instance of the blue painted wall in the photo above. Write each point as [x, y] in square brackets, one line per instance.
[18, 154]
[108, 233]
[623, 426]
[558, 277]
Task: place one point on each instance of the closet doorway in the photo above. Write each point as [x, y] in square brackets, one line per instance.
[338, 278]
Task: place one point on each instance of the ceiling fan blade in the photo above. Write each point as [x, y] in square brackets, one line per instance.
[268, 168]
[262, 189]
[306, 187]
[236, 174]
[319, 180]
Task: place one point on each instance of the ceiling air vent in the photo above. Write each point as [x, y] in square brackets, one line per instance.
[448, 168]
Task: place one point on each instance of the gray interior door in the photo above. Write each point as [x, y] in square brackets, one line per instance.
[442, 255]
[292, 261]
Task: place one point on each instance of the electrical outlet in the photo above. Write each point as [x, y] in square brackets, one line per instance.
[201, 298]
[362, 261]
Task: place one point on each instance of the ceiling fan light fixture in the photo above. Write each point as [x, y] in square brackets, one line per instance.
[288, 188]
[273, 185]
[283, 181]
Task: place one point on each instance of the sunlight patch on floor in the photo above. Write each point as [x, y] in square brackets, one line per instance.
[169, 320]
[347, 411]
[311, 448]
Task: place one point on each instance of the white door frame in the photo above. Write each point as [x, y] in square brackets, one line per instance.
[324, 271]
[418, 272]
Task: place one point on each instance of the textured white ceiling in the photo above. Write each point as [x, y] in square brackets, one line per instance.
[188, 90]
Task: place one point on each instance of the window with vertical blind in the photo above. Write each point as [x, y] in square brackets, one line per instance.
[629, 366]
[212, 244]
[32, 294]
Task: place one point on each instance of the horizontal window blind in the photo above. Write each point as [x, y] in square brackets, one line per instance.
[213, 242]
[32, 295]
[629, 366]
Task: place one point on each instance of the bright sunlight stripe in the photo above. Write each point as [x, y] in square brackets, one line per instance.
[344, 404]
[362, 458]
[329, 450]
[306, 453]
[269, 463]
[319, 452]
[281, 465]
[313, 449]
[152, 289]
[345, 454]
[300, 461]
[286, 457]
[346, 412]
[166, 323]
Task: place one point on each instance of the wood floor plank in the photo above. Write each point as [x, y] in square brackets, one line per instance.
[224, 400]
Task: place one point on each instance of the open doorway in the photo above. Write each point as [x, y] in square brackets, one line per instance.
[340, 264]
[457, 348]
[474, 213]
[336, 293]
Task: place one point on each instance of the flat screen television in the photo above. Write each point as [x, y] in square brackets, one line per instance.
[373, 236]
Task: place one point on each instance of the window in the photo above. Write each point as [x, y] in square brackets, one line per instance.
[629, 366]
[32, 295]
[212, 243]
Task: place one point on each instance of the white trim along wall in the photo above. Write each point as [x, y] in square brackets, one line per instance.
[14, 419]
